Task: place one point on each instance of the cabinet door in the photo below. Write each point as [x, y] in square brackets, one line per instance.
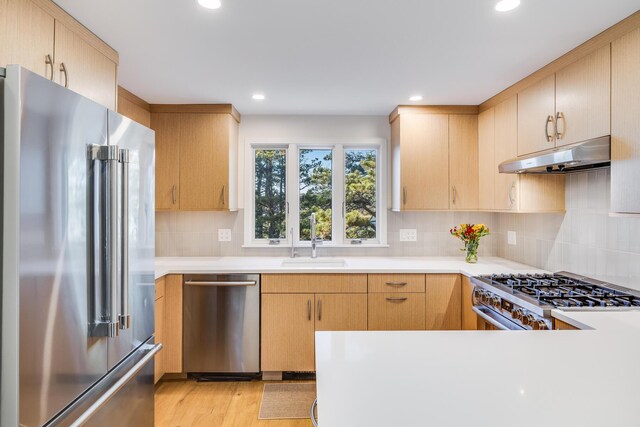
[167, 127]
[536, 105]
[341, 312]
[486, 160]
[424, 147]
[463, 161]
[625, 124]
[443, 311]
[172, 327]
[288, 332]
[506, 148]
[469, 318]
[204, 160]
[159, 338]
[583, 98]
[88, 72]
[34, 38]
[396, 311]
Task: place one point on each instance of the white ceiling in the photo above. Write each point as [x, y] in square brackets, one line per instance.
[337, 56]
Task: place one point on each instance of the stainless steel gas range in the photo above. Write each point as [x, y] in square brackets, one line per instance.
[525, 301]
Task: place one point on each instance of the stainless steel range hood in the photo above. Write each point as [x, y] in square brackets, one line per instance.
[591, 154]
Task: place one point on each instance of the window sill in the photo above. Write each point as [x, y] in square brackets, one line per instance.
[369, 245]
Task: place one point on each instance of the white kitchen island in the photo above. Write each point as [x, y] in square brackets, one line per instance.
[483, 378]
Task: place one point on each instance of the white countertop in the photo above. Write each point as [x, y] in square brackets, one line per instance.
[483, 378]
[222, 265]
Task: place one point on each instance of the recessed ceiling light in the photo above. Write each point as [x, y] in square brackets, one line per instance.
[210, 4]
[258, 96]
[507, 5]
[415, 98]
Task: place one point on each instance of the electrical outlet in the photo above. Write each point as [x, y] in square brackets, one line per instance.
[408, 235]
[224, 235]
[511, 238]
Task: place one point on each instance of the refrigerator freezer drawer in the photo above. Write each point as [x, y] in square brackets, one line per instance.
[124, 397]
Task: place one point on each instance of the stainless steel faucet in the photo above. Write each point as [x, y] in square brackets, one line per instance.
[314, 240]
[293, 247]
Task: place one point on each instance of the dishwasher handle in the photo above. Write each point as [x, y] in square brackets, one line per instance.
[220, 283]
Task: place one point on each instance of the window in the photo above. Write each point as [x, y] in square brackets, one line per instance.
[316, 196]
[270, 193]
[340, 183]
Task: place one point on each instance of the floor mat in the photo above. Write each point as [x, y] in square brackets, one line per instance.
[286, 401]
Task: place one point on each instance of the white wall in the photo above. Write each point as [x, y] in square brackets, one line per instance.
[273, 127]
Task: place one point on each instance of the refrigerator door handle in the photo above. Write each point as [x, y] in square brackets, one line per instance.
[125, 317]
[104, 320]
[113, 390]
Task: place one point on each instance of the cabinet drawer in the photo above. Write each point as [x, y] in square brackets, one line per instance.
[396, 311]
[159, 288]
[313, 283]
[396, 283]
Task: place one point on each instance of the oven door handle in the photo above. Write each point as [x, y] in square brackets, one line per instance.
[490, 319]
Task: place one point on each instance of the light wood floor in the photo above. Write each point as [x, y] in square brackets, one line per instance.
[185, 403]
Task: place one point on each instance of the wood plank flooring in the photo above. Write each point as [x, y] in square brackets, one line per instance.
[186, 403]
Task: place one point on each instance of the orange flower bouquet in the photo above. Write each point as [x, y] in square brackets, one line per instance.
[470, 234]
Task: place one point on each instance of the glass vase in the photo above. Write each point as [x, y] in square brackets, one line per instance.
[472, 252]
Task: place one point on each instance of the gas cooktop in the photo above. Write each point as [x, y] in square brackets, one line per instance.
[526, 300]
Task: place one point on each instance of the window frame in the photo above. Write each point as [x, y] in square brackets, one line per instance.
[338, 188]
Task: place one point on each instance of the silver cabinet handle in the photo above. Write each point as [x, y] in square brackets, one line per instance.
[107, 249]
[173, 194]
[125, 317]
[404, 195]
[511, 195]
[48, 61]
[454, 192]
[63, 69]
[548, 136]
[319, 310]
[396, 299]
[396, 284]
[309, 309]
[220, 283]
[560, 116]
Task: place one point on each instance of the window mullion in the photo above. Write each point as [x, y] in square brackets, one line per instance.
[338, 196]
[293, 195]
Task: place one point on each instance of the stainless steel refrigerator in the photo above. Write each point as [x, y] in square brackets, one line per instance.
[77, 260]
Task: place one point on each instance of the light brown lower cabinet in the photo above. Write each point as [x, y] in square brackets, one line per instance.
[159, 317]
[469, 318]
[396, 311]
[559, 325]
[288, 332]
[172, 326]
[289, 322]
[442, 310]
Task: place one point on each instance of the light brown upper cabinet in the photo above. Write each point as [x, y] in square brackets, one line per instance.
[421, 157]
[428, 143]
[486, 159]
[196, 157]
[83, 69]
[43, 38]
[512, 192]
[625, 123]
[506, 147]
[34, 38]
[463, 161]
[583, 98]
[569, 106]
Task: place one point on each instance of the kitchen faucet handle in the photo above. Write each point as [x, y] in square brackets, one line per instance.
[318, 241]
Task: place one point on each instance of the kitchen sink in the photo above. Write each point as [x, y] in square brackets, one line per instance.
[314, 263]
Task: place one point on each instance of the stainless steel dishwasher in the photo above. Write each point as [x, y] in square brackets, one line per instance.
[221, 332]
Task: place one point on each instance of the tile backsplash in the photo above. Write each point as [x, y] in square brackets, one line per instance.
[196, 234]
[585, 240]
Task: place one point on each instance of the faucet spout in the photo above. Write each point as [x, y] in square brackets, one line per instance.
[314, 240]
